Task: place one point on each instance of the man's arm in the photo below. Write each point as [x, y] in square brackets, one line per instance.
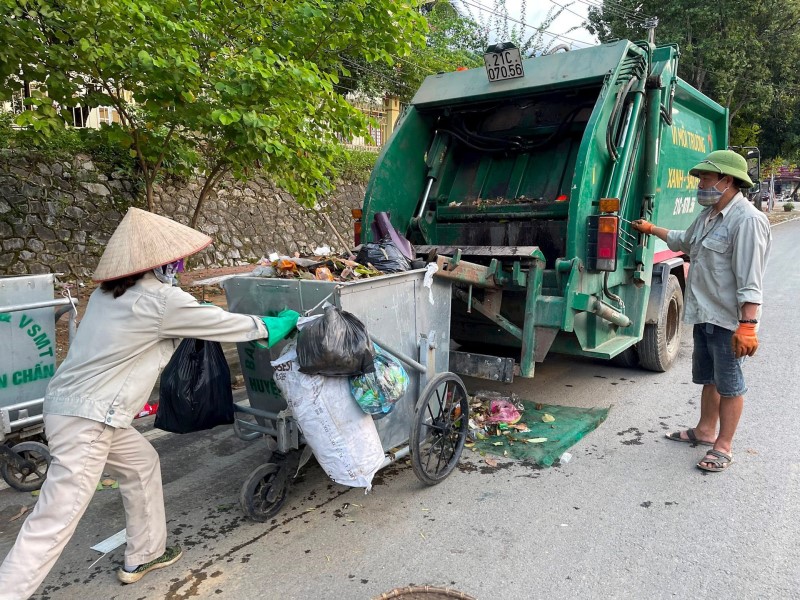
[749, 311]
[660, 232]
[749, 261]
[675, 239]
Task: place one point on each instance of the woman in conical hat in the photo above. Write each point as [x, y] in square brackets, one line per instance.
[131, 327]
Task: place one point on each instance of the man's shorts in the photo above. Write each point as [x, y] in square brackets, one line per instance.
[713, 361]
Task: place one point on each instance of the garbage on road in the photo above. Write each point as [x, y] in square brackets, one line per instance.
[504, 425]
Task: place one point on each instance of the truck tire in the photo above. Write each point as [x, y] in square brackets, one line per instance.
[627, 359]
[662, 341]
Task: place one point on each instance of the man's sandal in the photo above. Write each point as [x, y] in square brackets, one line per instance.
[690, 438]
[721, 461]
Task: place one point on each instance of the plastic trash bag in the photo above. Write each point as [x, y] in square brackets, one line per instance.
[503, 411]
[335, 345]
[195, 392]
[376, 393]
[384, 256]
[382, 228]
[344, 439]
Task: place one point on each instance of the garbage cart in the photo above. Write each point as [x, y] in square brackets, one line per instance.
[405, 314]
[28, 314]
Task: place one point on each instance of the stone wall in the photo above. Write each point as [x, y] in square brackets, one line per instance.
[57, 216]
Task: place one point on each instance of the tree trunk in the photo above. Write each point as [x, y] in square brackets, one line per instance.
[148, 184]
[210, 183]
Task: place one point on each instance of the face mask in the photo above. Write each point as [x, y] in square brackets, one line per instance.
[166, 273]
[711, 196]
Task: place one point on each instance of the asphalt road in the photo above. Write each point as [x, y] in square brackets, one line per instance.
[628, 517]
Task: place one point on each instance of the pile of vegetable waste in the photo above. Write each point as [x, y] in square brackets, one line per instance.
[320, 268]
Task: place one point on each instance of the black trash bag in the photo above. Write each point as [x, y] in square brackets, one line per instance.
[195, 389]
[384, 256]
[336, 344]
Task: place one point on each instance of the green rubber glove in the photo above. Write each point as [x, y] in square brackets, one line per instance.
[281, 326]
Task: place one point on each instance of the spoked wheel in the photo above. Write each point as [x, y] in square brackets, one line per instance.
[440, 428]
[264, 492]
[27, 479]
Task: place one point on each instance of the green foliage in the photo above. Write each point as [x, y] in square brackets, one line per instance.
[63, 144]
[452, 40]
[457, 36]
[355, 166]
[788, 207]
[741, 54]
[219, 85]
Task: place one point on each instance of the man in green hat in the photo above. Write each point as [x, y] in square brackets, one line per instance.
[728, 245]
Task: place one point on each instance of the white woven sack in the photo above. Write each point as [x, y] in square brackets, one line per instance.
[343, 438]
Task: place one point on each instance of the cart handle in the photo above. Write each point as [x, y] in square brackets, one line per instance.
[406, 359]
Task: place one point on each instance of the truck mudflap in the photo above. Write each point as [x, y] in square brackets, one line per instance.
[658, 287]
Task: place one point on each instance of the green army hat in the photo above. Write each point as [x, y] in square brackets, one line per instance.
[724, 162]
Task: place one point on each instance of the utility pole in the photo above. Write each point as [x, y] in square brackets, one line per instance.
[651, 24]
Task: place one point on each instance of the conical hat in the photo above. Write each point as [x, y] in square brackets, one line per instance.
[144, 241]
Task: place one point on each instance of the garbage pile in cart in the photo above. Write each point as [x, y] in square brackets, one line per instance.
[372, 260]
[392, 254]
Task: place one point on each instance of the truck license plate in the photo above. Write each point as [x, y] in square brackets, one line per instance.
[506, 64]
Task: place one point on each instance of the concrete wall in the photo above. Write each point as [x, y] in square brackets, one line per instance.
[57, 216]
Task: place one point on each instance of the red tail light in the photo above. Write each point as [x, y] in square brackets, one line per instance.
[356, 212]
[601, 252]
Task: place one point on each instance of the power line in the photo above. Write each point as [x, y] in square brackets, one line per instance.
[413, 64]
[524, 24]
[617, 9]
[376, 73]
[566, 8]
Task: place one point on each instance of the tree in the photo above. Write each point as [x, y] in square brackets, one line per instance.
[740, 54]
[452, 41]
[220, 85]
[458, 35]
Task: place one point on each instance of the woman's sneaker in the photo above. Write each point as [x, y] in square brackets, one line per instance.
[170, 556]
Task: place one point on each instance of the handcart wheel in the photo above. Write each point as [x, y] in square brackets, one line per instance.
[264, 492]
[440, 428]
[25, 480]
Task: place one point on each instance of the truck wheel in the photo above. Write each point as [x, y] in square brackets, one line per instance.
[627, 359]
[662, 340]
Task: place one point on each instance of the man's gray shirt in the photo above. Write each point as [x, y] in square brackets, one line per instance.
[728, 256]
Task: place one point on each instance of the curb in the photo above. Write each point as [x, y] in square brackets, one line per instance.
[782, 222]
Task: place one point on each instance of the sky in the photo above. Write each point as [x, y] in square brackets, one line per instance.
[567, 24]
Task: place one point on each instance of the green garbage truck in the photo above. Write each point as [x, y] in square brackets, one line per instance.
[520, 181]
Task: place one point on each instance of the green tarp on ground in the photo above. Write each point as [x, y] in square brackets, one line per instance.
[570, 425]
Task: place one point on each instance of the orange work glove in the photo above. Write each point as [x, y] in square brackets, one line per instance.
[643, 226]
[745, 341]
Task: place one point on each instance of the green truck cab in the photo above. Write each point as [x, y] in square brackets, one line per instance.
[521, 185]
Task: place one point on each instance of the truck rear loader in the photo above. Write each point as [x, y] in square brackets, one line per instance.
[521, 181]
